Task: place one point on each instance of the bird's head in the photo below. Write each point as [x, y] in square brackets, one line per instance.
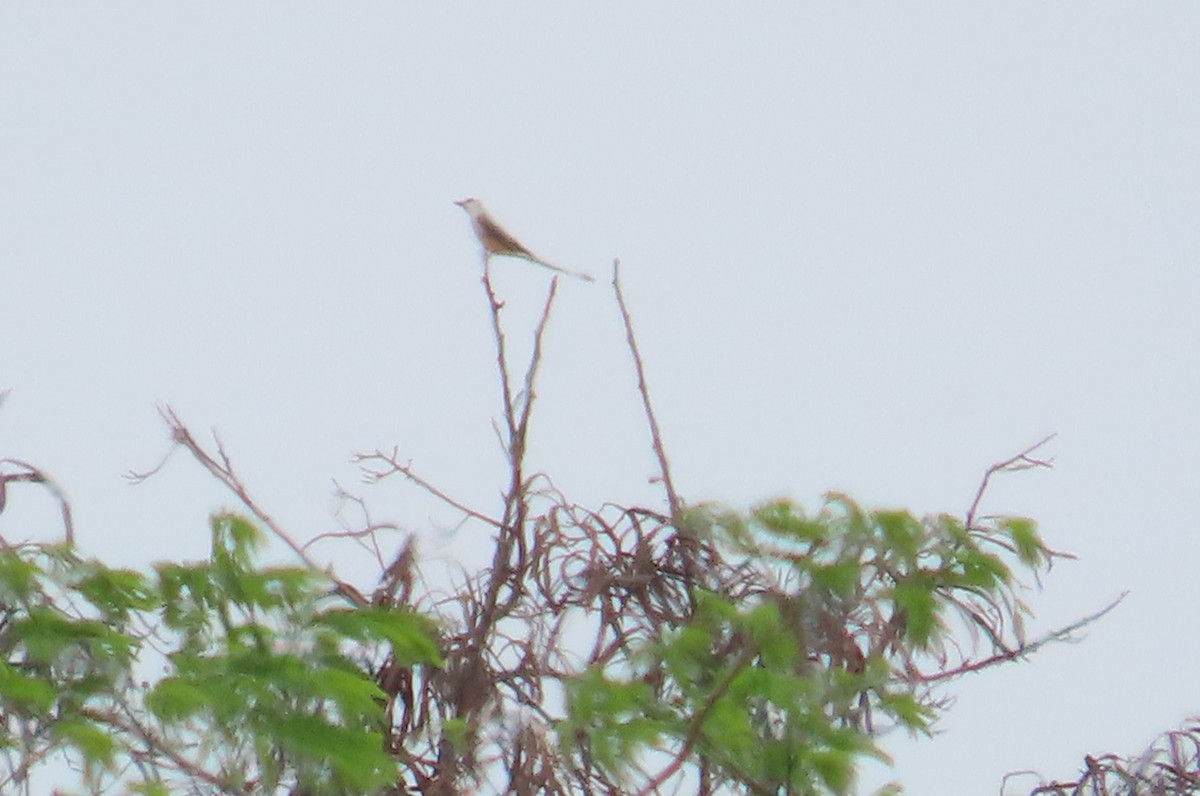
[471, 205]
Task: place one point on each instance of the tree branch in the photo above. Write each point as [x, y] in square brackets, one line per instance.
[655, 434]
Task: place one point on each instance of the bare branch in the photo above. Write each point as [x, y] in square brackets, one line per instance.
[495, 306]
[655, 434]
[406, 470]
[221, 467]
[1064, 634]
[1022, 461]
[30, 474]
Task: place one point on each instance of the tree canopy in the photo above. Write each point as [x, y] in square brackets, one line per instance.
[612, 649]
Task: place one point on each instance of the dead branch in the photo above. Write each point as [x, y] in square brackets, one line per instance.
[643, 389]
[1022, 461]
[220, 467]
[27, 473]
[369, 462]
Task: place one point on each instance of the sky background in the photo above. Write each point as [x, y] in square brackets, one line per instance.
[868, 247]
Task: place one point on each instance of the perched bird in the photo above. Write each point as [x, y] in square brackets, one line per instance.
[496, 240]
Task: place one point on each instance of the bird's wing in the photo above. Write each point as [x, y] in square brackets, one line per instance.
[497, 241]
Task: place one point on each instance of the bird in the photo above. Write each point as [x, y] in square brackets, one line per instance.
[496, 240]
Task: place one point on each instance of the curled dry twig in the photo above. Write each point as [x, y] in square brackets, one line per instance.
[27, 473]
[1168, 767]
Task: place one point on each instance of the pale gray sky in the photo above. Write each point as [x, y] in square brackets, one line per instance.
[869, 247]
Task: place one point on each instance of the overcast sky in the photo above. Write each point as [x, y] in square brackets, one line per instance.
[869, 247]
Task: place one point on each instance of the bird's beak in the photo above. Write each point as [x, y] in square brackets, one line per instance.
[462, 202]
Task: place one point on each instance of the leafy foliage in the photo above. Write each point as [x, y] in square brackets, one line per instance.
[777, 685]
[264, 685]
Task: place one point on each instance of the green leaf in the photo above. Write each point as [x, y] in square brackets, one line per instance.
[835, 768]
[1023, 531]
[18, 578]
[982, 570]
[46, 634]
[413, 637]
[915, 597]
[25, 693]
[354, 692]
[188, 592]
[857, 523]
[235, 540]
[618, 719]
[357, 757]
[786, 519]
[94, 743]
[117, 591]
[839, 578]
[908, 709]
[455, 731]
[714, 608]
[902, 531]
[173, 699]
[151, 789]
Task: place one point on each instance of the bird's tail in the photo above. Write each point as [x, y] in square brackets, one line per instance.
[586, 277]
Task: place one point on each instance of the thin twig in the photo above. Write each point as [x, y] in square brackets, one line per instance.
[158, 745]
[223, 471]
[495, 306]
[1062, 634]
[1022, 461]
[535, 360]
[407, 471]
[34, 475]
[655, 433]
